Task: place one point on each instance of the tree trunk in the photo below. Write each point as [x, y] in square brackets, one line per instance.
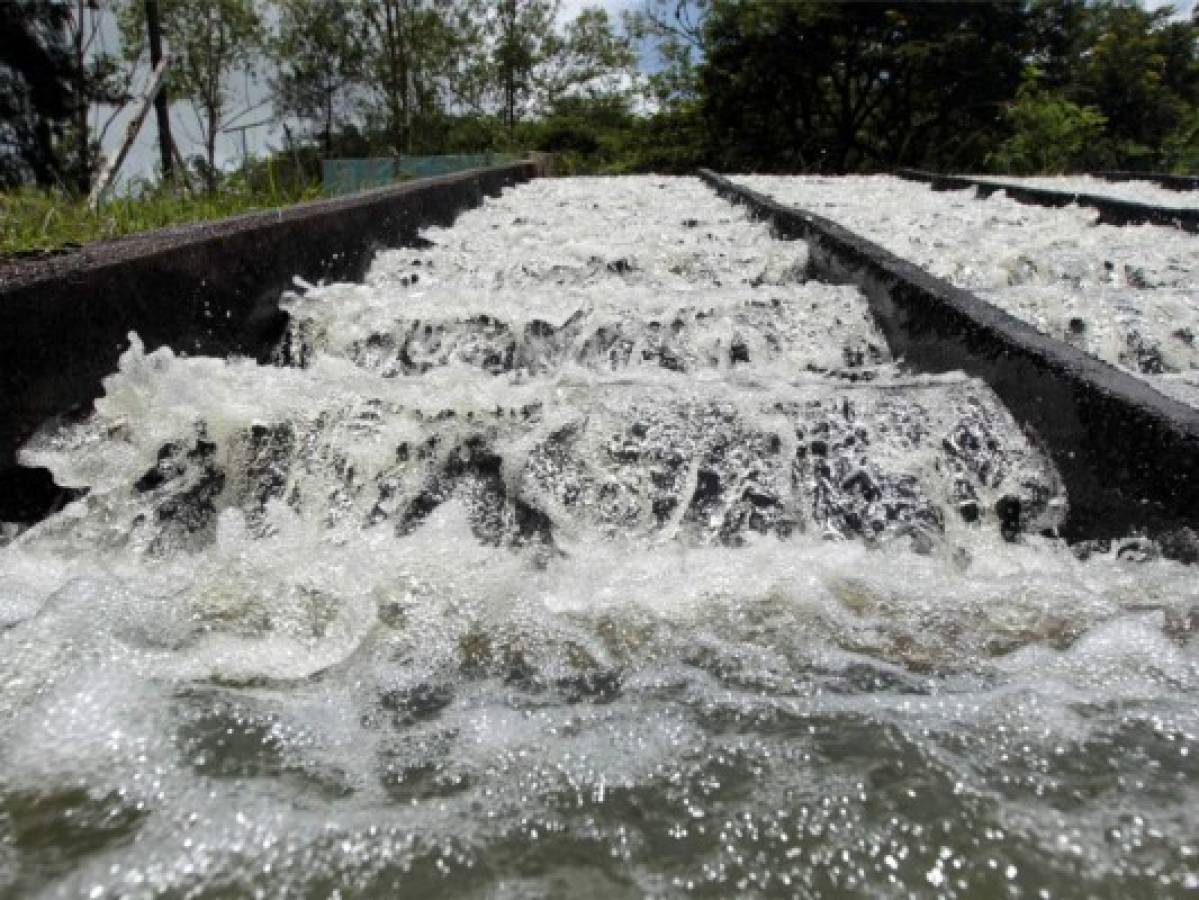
[328, 123]
[212, 87]
[405, 70]
[510, 92]
[510, 38]
[162, 105]
[112, 166]
[83, 178]
[396, 76]
[214, 121]
[40, 157]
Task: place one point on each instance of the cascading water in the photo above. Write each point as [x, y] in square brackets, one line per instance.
[1123, 294]
[585, 550]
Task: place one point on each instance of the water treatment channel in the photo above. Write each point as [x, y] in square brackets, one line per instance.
[585, 550]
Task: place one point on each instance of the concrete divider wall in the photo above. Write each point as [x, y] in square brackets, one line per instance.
[1163, 179]
[1111, 210]
[210, 288]
[1129, 455]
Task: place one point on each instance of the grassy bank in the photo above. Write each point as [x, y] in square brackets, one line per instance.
[33, 221]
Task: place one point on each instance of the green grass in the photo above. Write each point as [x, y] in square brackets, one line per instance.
[33, 221]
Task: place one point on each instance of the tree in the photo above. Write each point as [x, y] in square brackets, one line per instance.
[392, 64]
[946, 80]
[523, 35]
[97, 79]
[832, 87]
[207, 42]
[1060, 33]
[36, 101]
[673, 137]
[413, 50]
[677, 29]
[1180, 150]
[1051, 135]
[1141, 71]
[319, 58]
[51, 79]
[530, 65]
[591, 60]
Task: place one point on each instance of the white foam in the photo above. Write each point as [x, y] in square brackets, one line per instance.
[282, 694]
[1128, 295]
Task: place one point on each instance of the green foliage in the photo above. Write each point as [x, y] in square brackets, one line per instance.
[522, 34]
[1050, 134]
[805, 85]
[569, 136]
[677, 28]
[320, 61]
[51, 77]
[424, 75]
[789, 85]
[1142, 73]
[591, 61]
[531, 65]
[378, 77]
[411, 63]
[584, 134]
[34, 220]
[673, 142]
[207, 41]
[1180, 149]
[36, 100]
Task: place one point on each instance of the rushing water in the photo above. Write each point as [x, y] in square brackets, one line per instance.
[586, 550]
[1128, 295]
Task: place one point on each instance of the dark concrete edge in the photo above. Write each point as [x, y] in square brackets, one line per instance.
[22, 273]
[1111, 211]
[999, 345]
[1162, 179]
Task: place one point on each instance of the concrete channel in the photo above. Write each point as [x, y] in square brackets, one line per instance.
[1111, 210]
[590, 546]
[210, 289]
[1129, 455]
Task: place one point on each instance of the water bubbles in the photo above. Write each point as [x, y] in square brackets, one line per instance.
[512, 579]
[1122, 294]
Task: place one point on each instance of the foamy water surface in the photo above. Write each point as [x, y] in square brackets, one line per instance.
[585, 550]
[1127, 295]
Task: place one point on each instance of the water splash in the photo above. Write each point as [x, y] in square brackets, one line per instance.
[566, 602]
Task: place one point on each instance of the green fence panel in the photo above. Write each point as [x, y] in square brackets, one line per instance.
[427, 166]
[344, 176]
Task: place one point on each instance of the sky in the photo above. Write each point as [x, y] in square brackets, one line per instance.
[143, 155]
[571, 8]
[1182, 8]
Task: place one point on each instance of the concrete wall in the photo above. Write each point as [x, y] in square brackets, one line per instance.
[1129, 455]
[1111, 211]
[1163, 179]
[211, 288]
